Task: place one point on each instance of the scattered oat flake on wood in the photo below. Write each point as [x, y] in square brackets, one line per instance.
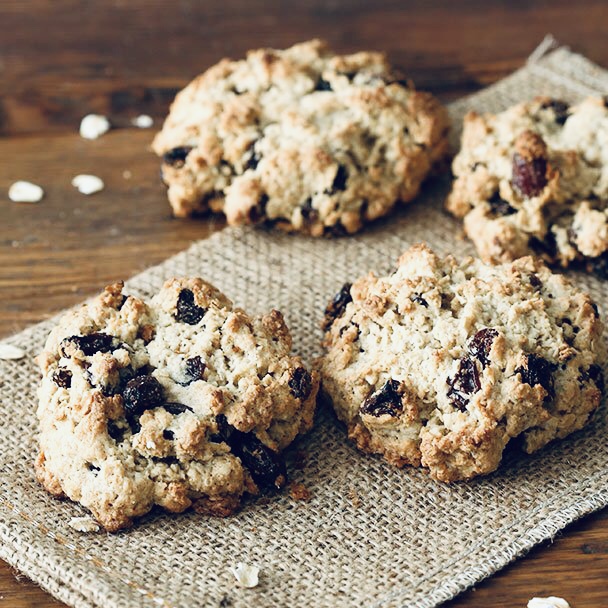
[25, 192]
[8, 352]
[298, 491]
[93, 126]
[83, 524]
[88, 184]
[143, 121]
[246, 575]
[548, 602]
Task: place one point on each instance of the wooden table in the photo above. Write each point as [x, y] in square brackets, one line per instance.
[61, 60]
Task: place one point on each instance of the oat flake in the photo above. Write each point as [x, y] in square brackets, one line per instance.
[10, 352]
[246, 575]
[25, 192]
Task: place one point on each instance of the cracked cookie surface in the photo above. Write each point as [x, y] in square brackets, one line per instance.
[181, 401]
[534, 180]
[441, 363]
[300, 138]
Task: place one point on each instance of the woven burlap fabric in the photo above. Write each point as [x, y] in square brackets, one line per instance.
[371, 535]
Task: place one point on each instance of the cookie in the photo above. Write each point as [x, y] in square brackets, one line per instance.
[181, 401]
[534, 180]
[301, 139]
[440, 364]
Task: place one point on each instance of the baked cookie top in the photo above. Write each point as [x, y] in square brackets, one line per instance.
[300, 138]
[441, 364]
[181, 401]
[534, 179]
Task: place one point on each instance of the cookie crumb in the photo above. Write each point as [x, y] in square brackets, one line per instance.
[126, 174]
[246, 576]
[93, 126]
[25, 192]
[8, 352]
[548, 602]
[83, 524]
[354, 497]
[298, 491]
[143, 121]
[88, 184]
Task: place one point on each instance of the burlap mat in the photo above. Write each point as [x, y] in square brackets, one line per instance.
[371, 535]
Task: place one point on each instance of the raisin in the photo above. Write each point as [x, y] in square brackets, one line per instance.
[168, 435]
[499, 207]
[177, 156]
[266, 467]
[89, 345]
[195, 368]
[142, 393]
[465, 382]
[481, 344]
[419, 300]
[116, 432]
[538, 371]
[323, 85]
[177, 408]
[187, 311]
[535, 281]
[596, 310]
[597, 375]
[548, 246]
[300, 383]
[258, 212]
[253, 158]
[337, 306]
[529, 176]
[560, 109]
[63, 378]
[122, 302]
[386, 400]
[339, 183]
[309, 213]
[93, 468]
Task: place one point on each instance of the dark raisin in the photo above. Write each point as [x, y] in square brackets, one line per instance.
[168, 435]
[386, 400]
[177, 156]
[529, 176]
[560, 109]
[465, 382]
[535, 281]
[63, 378]
[195, 368]
[122, 302]
[323, 85]
[597, 375]
[166, 460]
[92, 467]
[116, 432]
[499, 207]
[300, 383]
[176, 408]
[253, 158]
[258, 212]
[337, 306]
[309, 213]
[142, 393]
[187, 311]
[419, 300]
[339, 183]
[89, 345]
[265, 466]
[596, 310]
[481, 344]
[538, 371]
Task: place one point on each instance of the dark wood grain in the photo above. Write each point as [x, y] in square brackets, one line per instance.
[60, 60]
